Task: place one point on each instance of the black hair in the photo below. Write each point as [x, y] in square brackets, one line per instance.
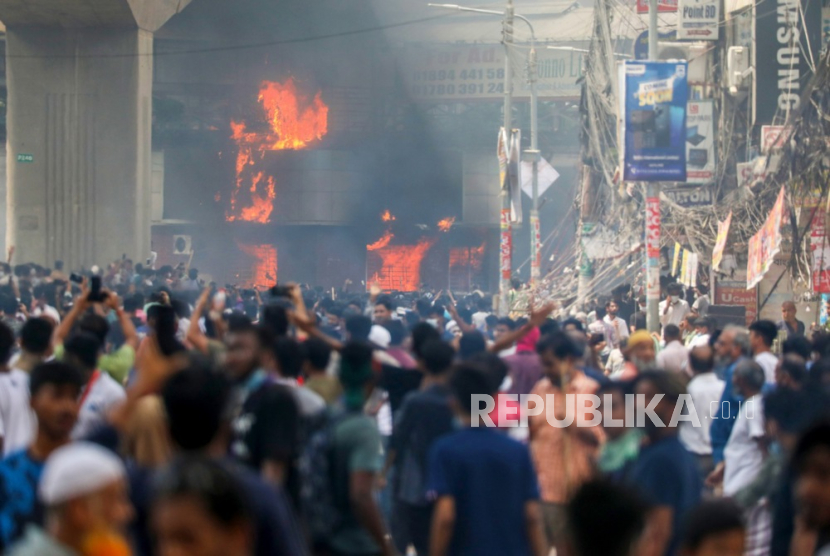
[491, 321]
[795, 410]
[601, 505]
[96, 325]
[468, 380]
[817, 436]
[317, 352]
[766, 329]
[208, 482]
[421, 334]
[437, 357]
[422, 307]
[359, 327]
[275, 318]
[671, 331]
[196, 402]
[55, 373]
[711, 517]
[36, 336]
[700, 364]
[470, 344]
[436, 309]
[9, 304]
[674, 287]
[387, 302]
[703, 289]
[560, 344]
[6, 343]
[798, 345]
[181, 308]
[495, 367]
[355, 364]
[549, 327]
[83, 347]
[576, 323]
[193, 273]
[821, 343]
[397, 332]
[795, 368]
[668, 384]
[289, 355]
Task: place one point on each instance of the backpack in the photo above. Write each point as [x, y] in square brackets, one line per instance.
[318, 493]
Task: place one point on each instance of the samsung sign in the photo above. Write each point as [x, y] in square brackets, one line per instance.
[785, 52]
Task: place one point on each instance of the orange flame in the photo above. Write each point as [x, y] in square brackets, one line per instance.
[264, 269]
[382, 242]
[467, 257]
[294, 123]
[387, 216]
[400, 266]
[445, 224]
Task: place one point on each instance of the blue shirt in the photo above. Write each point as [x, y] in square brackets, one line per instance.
[19, 505]
[724, 418]
[666, 474]
[490, 477]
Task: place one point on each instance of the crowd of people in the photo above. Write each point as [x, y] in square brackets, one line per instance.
[144, 412]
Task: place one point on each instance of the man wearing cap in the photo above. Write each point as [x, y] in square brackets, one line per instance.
[639, 355]
[54, 389]
[87, 507]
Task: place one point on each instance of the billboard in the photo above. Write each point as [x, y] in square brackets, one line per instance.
[700, 142]
[698, 20]
[654, 97]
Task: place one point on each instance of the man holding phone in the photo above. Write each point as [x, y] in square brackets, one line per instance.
[673, 309]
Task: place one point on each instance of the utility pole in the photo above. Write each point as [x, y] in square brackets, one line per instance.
[533, 155]
[652, 219]
[506, 240]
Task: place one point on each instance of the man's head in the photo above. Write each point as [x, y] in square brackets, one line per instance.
[200, 509]
[54, 390]
[788, 312]
[702, 359]
[358, 328]
[703, 325]
[748, 378]
[559, 355]
[356, 374]
[641, 302]
[82, 350]
[791, 372]
[798, 345]
[674, 290]
[732, 344]
[84, 488]
[617, 513]
[470, 344]
[613, 394]
[383, 311]
[289, 357]
[193, 274]
[611, 309]
[650, 385]
[671, 333]
[504, 325]
[437, 317]
[196, 403]
[422, 333]
[762, 334]
[36, 337]
[714, 528]
[466, 381]
[641, 351]
[702, 289]
[436, 358]
[95, 325]
[811, 460]
[244, 351]
[317, 356]
[397, 332]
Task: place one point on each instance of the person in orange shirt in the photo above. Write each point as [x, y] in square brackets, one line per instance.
[563, 456]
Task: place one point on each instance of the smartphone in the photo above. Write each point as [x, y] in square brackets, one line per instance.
[77, 278]
[95, 293]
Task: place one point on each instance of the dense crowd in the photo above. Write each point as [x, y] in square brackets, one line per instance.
[143, 411]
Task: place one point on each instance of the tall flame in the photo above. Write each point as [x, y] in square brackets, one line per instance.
[384, 240]
[445, 224]
[400, 266]
[294, 122]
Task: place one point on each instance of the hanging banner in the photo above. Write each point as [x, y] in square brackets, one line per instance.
[506, 246]
[720, 242]
[820, 249]
[536, 242]
[684, 266]
[653, 227]
[509, 154]
[698, 20]
[675, 259]
[752, 173]
[654, 120]
[663, 6]
[700, 142]
[765, 244]
[693, 266]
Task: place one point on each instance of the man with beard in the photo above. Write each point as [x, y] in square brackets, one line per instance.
[665, 473]
[811, 461]
[564, 456]
[639, 356]
[731, 348]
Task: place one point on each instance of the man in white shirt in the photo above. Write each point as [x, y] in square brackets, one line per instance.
[703, 331]
[17, 420]
[674, 357]
[705, 389]
[762, 334]
[701, 304]
[743, 456]
[100, 393]
[616, 323]
[673, 309]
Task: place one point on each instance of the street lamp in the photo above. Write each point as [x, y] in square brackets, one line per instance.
[531, 154]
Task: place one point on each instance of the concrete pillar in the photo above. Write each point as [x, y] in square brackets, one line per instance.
[79, 122]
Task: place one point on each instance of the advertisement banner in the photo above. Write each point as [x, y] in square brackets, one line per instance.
[675, 259]
[689, 196]
[698, 20]
[653, 227]
[693, 267]
[765, 244]
[720, 242]
[700, 142]
[654, 121]
[684, 269]
[463, 72]
[506, 246]
[787, 43]
[773, 137]
[820, 249]
[752, 172]
[663, 6]
[734, 292]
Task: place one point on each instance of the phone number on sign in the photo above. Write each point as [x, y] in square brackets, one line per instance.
[462, 75]
[461, 89]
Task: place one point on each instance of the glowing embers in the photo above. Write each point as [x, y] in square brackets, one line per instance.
[294, 121]
[397, 267]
